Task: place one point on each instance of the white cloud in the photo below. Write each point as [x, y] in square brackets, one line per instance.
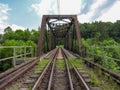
[15, 27]
[44, 7]
[105, 10]
[100, 11]
[97, 3]
[50, 7]
[4, 12]
[85, 17]
[70, 7]
[4, 8]
[112, 14]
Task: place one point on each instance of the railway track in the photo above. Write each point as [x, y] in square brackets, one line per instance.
[115, 76]
[55, 78]
[13, 74]
[59, 74]
[79, 82]
[6, 78]
[59, 77]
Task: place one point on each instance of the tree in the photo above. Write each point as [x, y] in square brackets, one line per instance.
[19, 34]
[8, 34]
[1, 38]
[115, 31]
[34, 36]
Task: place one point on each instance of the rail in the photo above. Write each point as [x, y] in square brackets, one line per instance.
[52, 72]
[91, 60]
[100, 52]
[18, 52]
[38, 83]
[81, 79]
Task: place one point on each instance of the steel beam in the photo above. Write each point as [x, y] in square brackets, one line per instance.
[40, 40]
[59, 33]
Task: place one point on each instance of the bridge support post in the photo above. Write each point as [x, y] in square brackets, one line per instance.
[24, 54]
[40, 40]
[32, 51]
[69, 41]
[78, 36]
[103, 57]
[14, 58]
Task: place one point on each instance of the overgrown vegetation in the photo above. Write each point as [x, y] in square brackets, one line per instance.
[60, 64]
[15, 38]
[94, 79]
[23, 35]
[41, 64]
[100, 34]
[78, 63]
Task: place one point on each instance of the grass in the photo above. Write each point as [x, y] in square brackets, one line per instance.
[60, 64]
[60, 46]
[78, 63]
[41, 64]
[98, 78]
[30, 87]
[106, 83]
[94, 79]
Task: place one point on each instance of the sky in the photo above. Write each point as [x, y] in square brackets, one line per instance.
[23, 14]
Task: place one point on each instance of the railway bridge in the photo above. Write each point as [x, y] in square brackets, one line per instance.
[59, 30]
[58, 68]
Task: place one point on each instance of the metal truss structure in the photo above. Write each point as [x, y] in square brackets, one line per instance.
[59, 29]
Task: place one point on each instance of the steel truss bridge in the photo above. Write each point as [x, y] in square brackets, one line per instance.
[59, 29]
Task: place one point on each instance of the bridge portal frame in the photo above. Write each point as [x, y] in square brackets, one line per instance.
[45, 19]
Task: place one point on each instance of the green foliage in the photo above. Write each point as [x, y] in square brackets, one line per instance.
[34, 36]
[41, 64]
[60, 64]
[8, 52]
[30, 43]
[113, 51]
[100, 31]
[59, 46]
[102, 34]
[77, 63]
[14, 43]
[8, 34]
[4, 65]
[15, 38]
[94, 79]
[19, 34]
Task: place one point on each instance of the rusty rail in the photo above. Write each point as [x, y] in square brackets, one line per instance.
[83, 84]
[38, 83]
[68, 72]
[23, 53]
[69, 75]
[4, 74]
[52, 71]
[16, 76]
[51, 67]
[114, 75]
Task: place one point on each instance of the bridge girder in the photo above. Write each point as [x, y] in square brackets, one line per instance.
[60, 30]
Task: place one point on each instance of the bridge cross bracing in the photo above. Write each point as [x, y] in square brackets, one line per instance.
[59, 29]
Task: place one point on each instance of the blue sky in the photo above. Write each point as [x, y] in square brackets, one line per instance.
[22, 14]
